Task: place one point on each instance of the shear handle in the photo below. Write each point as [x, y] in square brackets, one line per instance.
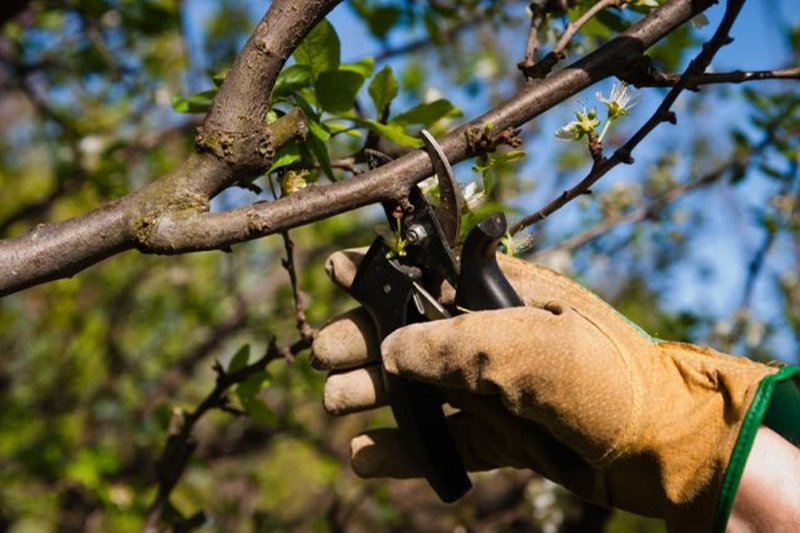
[481, 284]
[385, 289]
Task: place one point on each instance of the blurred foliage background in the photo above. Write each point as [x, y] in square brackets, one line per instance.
[697, 241]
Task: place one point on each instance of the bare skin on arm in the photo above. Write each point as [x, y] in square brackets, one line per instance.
[768, 498]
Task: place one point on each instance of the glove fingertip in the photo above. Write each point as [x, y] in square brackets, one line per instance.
[341, 267]
[382, 453]
[417, 351]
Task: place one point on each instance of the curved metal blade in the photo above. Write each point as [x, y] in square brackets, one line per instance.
[448, 212]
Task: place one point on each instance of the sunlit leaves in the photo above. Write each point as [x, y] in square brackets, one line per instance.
[197, 103]
[247, 394]
[364, 66]
[286, 156]
[239, 359]
[383, 89]
[427, 113]
[336, 90]
[320, 49]
[423, 115]
[380, 19]
[292, 79]
[394, 132]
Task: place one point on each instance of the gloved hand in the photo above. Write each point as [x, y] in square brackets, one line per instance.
[565, 386]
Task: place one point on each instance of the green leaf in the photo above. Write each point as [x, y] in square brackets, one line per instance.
[197, 103]
[383, 89]
[239, 359]
[219, 77]
[320, 49]
[336, 127]
[250, 386]
[381, 19]
[260, 412]
[363, 66]
[510, 156]
[320, 150]
[316, 130]
[336, 89]
[316, 143]
[291, 79]
[427, 114]
[393, 132]
[286, 156]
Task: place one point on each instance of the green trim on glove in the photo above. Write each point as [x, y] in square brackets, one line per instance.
[777, 406]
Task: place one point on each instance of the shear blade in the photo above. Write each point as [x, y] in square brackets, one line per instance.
[426, 304]
[448, 212]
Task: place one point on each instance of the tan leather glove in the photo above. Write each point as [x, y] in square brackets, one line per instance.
[565, 386]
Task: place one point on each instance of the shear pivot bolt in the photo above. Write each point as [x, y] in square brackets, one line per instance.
[416, 233]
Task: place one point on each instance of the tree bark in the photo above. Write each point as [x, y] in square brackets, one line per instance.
[171, 215]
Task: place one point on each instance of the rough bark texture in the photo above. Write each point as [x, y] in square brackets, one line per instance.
[234, 143]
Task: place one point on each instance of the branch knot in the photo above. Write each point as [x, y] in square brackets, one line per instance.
[252, 151]
[483, 140]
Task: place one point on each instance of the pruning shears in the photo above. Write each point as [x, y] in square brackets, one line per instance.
[399, 285]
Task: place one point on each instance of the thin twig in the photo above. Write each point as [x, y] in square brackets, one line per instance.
[216, 334]
[650, 211]
[663, 114]
[180, 445]
[447, 35]
[542, 68]
[757, 262]
[307, 332]
[529, 59]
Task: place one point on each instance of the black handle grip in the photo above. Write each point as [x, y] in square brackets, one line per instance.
[384, 288]
[417, 407]
[481, 284]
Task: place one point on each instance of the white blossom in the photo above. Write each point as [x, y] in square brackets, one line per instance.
[619, 102]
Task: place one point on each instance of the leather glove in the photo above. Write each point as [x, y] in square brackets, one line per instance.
[565, 386]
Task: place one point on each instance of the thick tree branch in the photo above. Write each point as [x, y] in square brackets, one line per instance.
[170, 215]
[393, 180]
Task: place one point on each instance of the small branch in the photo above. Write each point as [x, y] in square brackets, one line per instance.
[643, 74]
[447, 35]
[650, 211]
[663, 114]
[180, 445]
[306, 331]
[216, 334]
[529, 59]
[757, 262]
[739, 76]
[541, 69]
[595, 146]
